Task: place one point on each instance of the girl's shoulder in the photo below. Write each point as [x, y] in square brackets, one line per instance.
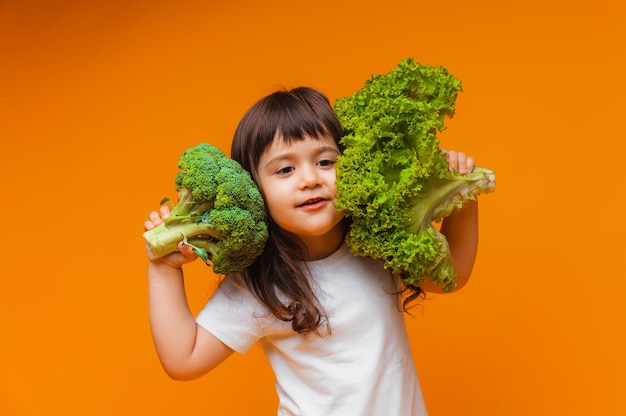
[234, 288]
[236, 317]
[343, 270]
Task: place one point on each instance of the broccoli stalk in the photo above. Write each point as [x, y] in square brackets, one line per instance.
[220, 213]
[188, 220]
[393, 179]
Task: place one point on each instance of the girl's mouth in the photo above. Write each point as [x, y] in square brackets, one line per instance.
[312, 201]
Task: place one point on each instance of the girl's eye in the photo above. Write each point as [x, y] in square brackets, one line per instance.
[326, 162]
[285, 170]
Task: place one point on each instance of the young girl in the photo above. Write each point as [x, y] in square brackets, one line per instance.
[330, 323]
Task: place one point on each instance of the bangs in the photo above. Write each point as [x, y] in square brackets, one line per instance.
[290, 115]
[296, 119]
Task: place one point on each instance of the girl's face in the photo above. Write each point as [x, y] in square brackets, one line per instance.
[298, 182]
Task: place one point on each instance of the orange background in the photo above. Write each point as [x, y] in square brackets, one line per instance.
[98, 99]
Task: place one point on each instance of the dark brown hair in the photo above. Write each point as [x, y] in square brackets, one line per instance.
[276, 277]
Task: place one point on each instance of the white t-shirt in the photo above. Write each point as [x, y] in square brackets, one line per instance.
[363, 367]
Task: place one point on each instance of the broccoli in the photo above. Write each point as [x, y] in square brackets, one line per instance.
[220, 213]
[393, 179]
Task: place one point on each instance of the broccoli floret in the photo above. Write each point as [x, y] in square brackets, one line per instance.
[393, 179]
[220, 213]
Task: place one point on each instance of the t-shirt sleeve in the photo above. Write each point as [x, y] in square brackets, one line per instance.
[233, 315]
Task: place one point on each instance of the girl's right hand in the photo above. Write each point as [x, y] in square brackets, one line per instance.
[176, 259]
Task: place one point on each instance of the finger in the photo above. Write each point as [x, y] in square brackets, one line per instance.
[148, 225]
[155, 218]
[470, 164]
[187, 251]
[453, 160]
[165, 211]
[461, 162]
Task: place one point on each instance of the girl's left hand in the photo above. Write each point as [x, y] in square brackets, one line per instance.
[459, 161]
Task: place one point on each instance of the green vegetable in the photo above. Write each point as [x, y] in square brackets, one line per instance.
[393, 179]
[220, 213]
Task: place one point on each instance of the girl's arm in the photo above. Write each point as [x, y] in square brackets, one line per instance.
[460, 229]
[186, 350]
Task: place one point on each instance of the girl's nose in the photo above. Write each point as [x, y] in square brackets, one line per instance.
[309, 178]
